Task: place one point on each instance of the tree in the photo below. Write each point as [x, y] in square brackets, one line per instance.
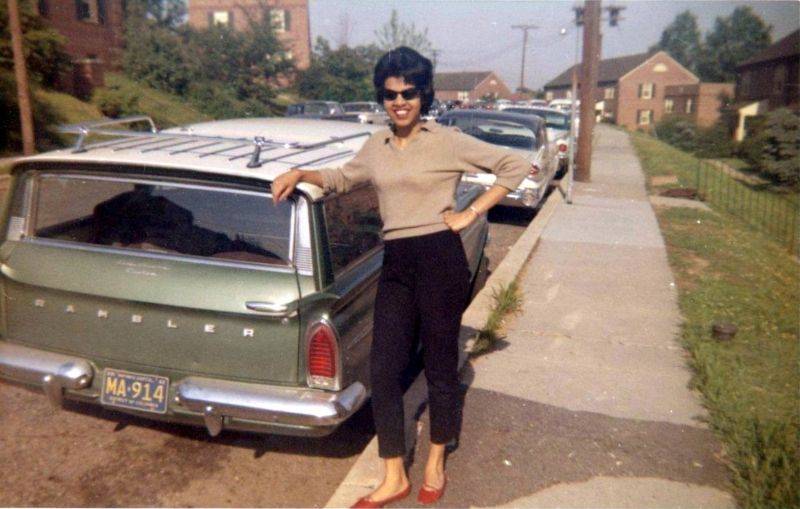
[165, 13]
[681, 39]
[396, 33]
[343, 74]
[733, 40]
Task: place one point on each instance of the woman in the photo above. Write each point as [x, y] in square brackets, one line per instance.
[415, 168]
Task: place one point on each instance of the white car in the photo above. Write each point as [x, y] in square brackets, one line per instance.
[524, 134]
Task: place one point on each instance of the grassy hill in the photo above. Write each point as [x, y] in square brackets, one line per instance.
[166, 110]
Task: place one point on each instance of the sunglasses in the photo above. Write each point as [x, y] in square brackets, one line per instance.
[408, 94]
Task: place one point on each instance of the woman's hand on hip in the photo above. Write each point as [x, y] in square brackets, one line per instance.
[284, 184]
[457, 221]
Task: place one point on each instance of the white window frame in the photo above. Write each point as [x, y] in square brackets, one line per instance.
[548, 96]
[644, 117]
[669, 105]
[463, 96]
[609, 93]
[646, 90]
[277, 18]
[220, 18]
[689, 105]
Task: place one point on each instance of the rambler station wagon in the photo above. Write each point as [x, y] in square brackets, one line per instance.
[150, 272]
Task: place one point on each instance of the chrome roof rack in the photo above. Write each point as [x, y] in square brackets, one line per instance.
[155, 140]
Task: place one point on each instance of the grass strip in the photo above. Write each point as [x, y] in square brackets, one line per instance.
[507, 300]
[727, 272]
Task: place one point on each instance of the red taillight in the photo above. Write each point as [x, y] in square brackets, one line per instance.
[562, 148]
[322, 352]
[535, 170]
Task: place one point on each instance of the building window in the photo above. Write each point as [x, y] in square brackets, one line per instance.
[745, 84]
[689, 105]
[91, 11]
[643, 117]
[288, 55]
[568, 95]
[779, 80]
[669, 106]
[647, 90]
[609, 93]
[548, 96]
[463, 96]
[219, 18]
[280, 20]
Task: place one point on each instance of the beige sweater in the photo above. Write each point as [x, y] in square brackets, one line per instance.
[417, 184]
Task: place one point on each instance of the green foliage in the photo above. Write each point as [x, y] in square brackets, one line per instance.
[678, 132]
[780, 147]
[507, 301]
[225, 72]
[705, 142]
[681, 39]
[115, 102]
[343, 74]
[45, 57]
[734, 39]
[713, 142]
[396, 33]
[165, 109]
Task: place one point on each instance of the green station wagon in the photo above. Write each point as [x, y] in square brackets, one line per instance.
[149, 272]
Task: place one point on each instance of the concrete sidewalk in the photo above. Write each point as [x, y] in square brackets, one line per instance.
[586, 404]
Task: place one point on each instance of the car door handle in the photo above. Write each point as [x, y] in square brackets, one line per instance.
[270, 308]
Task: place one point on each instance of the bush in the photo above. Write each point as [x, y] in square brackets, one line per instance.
[114, 102]
[678, 132]
[713, 142]
[780, 147]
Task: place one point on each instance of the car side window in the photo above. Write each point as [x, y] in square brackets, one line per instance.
[354, 226]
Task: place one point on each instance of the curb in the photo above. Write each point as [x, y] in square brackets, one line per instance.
[367, 471]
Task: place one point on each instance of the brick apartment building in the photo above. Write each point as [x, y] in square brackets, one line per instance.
[769, 80]
[699, 103]
[632, 89]
[469, 86]
[93, 33]
[289, 17]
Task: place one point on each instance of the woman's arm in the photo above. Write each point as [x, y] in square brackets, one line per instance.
[457, 221]
[285, 183]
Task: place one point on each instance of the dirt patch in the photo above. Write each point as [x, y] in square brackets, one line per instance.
[663, 180]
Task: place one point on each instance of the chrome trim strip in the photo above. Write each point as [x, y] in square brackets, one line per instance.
[217, 399]
[52, 372]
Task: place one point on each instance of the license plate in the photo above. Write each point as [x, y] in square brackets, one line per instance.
[135, 391]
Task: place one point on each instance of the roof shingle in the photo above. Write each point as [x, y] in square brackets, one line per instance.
[611, 69]
[458, 80]
[787, 47]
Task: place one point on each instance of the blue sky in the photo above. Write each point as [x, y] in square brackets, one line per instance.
[477, 34]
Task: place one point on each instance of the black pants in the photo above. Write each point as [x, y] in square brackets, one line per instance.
[422, 293]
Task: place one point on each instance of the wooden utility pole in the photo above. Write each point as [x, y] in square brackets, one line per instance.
[524, 29]
[588, 85]
[21, 74]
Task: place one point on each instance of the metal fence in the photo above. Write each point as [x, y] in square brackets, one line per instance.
[750, 200]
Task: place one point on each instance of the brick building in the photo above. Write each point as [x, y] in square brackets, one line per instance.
[289, 17]
[768, 81]
[699, 103]
[469, 86]
[631, 88]
[93, 33]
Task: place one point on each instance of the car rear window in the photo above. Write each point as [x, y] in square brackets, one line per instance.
[497, 132]
[192, 220]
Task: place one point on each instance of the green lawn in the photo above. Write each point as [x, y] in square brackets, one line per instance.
[727, 272]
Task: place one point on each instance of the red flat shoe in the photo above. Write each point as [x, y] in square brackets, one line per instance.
[428, 495]
[366, 503]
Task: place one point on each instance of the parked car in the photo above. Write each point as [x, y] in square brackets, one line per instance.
[525, 134]
[366, 112]
[152, 274]
[330, 110]
[558, 131]
[563, 104]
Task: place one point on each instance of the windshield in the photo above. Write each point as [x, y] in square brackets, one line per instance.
[552, 119]
[497, 132]
[160, 217]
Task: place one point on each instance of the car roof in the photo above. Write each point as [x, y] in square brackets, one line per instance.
[192, 148]
[540, 109]
[533, 121]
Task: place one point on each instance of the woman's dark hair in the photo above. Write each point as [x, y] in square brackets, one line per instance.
[404, 62]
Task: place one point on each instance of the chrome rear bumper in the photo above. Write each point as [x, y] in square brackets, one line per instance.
[220, 403]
